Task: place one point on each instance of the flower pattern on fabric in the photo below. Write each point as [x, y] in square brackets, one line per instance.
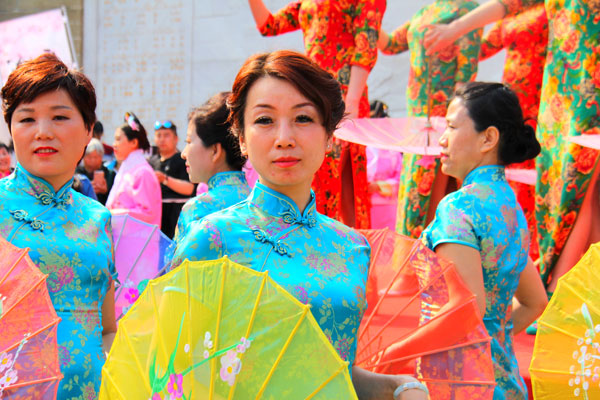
[453, 65]
[75, 250]
[569, 106]
[525, 38]
[327, 269]
[484, 214]
[337, 35]
[224, 189]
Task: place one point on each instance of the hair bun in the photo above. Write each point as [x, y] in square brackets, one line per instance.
[522, 146]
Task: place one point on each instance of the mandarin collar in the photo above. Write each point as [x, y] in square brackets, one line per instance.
[42, 190]
[486, 173]
[229, 178]
[280, 205]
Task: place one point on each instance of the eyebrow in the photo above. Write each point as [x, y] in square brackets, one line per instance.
[58, 107]
[300, 105]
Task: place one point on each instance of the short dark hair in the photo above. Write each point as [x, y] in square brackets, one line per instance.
[137, 131]
[5, 147]
[316, 84]
[212, 126]
[495, 104]
[98, 129]
[41, 75]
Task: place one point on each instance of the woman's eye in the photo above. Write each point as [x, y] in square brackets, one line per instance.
[61, 117]
[304, 119]
[24, 120]
[263, 120]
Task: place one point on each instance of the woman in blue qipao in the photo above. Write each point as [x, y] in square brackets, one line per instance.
[481, 227]
[212, 155]
[284, 109]
[50, 113]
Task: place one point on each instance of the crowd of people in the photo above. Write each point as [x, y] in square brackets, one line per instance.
[313, 189]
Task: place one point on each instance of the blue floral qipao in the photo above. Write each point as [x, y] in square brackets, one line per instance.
[224, 189]
[70, 239]
[484, 214]
[319, 260]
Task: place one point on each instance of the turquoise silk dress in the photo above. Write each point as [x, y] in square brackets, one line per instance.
[317, 259]
[224, 189]
[70, 239]
[484, 214]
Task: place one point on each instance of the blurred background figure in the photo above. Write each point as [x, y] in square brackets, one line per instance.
[136, 190]
[383, 173]
[5, 160]
[100, 176]
[108, 153]
[212, 156]
[170, 171]
[431, 83]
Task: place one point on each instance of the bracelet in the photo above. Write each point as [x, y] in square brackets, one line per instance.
[166, 181]
[410, 385]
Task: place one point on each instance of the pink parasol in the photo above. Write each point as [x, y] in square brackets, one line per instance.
[29, 365]
[142, 252]
[415, 135]
[591, 141]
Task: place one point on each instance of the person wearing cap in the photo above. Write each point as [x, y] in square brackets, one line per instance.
[170, 170]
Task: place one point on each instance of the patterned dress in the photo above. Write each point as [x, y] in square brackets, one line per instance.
[484, 214]
[525, 38]
[317, 259]
[70, 239]
[569, 106]
[455, 64]
[224, 189]
[337, 35]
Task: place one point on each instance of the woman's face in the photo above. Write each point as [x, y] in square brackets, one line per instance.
[460, 142]
[92, 161]
[200, 160]
[283, 136]
[123, 146]
[4, 160]
[49, 136]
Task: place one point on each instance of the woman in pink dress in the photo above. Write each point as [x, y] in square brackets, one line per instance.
[136, 190]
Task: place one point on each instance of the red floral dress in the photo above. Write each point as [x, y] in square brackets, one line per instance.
[455, 64]
[569, 106]
[525, 38]
[337, 35]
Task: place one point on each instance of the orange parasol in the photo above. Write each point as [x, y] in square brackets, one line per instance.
[29, 366]
[422, 319]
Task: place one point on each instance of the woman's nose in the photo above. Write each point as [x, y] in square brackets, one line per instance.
[285, 135]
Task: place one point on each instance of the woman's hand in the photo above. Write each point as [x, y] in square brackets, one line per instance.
[438, 37]
[370, 385]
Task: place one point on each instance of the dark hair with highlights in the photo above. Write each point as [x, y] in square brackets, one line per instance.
[44, 74]
[494, 104]
[316, 84]
[210, 121]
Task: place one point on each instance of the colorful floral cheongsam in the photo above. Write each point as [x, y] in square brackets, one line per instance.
[525, 38]
[455, 64]
[338, 34]
[317, 259]
[569, 106]
[224, 189]
[70, 239]
[484, 214]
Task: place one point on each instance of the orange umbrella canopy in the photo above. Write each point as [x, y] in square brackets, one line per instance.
[422, 319]
[29, 365]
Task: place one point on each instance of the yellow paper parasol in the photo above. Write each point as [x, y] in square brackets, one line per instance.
[566, 355]
[218, 330]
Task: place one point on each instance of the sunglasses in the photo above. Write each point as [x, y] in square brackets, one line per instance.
[165, 124]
